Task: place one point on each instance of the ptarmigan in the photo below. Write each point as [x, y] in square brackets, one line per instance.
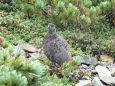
[55, 47]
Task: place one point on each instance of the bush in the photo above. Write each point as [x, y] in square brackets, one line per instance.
[17, 29]
[81, 14]
[17, 70]
[78, 13]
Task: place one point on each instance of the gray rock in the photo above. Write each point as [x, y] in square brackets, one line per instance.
[96, 82]
[89, 60]
[111, 67]
[55, 47]
[112, 70]
[27, 47]
[108, 64]
[84, 83]
[86, 78]
[84, 66]
[105, 75]
[35, 55]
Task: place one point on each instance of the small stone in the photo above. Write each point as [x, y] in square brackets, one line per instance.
[89, 60]
[35, 55]
[84, 66]
[84, 83]
[27, 47]
[108, 64]
[96, 82]
[42, 52]
[106, 58]
[105, 75]
[112, 70]
[86, 78]
[39, 50]
[92, 67]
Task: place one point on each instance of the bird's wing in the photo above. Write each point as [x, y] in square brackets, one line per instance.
[57, 45]
[62, 43]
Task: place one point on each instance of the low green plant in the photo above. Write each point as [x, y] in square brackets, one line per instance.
[78, 13]
[11, 77]
[15, 66]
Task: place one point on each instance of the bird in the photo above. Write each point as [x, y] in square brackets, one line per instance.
[55, 47]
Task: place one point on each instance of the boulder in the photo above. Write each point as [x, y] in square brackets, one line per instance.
[106, 58]
[96, 82]
[105, 75]
[27, 47]
[84, 83]
[89, 60]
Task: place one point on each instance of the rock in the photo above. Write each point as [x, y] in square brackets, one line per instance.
[35, 55]
[112, 70]
[111, 67]
[82, 60]
[105, 75]
[106, 58]
[92, 67]
[84, 83]
[96, 82]
[86, 78]
[83, 66]
[89, 60]
[107, 64]
[38, 54]
[56, 47]
[27, 47]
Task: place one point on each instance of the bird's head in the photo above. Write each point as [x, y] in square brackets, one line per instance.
[51, 27]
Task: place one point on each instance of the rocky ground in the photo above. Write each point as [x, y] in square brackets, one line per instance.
[91, 71]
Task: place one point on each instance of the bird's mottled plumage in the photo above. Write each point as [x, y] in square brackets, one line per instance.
[55, 47]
